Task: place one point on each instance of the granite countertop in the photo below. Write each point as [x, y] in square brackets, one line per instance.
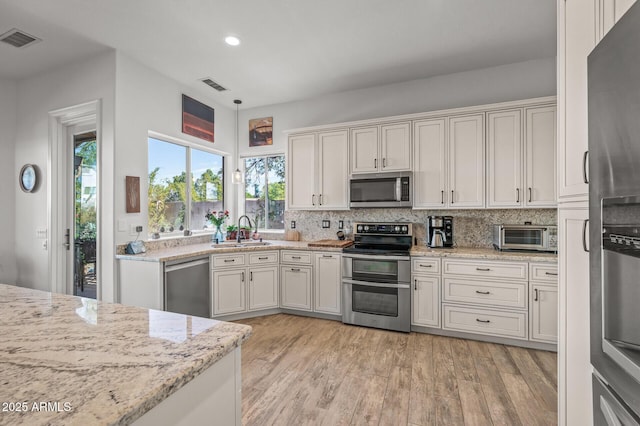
[192, 250]
[102, 363]
[484, 254]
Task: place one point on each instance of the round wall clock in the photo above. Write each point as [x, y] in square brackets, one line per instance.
[28, 178]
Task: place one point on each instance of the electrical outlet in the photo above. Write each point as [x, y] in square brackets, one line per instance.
[135, 229]
[293, 224]
[139, 228]
[341, 224]
[326, 224]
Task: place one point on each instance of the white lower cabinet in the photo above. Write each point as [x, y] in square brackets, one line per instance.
[237, 288]
[295, 287]
[263, 288]
[492, 322]
[328, 283]
[425, 291]
[544, 313]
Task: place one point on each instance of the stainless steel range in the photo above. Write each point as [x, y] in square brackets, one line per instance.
[376, 276]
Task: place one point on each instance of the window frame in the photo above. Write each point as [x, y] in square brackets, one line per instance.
[242, 193]
[188, 146]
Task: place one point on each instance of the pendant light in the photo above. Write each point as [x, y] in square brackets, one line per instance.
[237, 177]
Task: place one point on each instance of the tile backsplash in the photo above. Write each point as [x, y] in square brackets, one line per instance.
[471, 228]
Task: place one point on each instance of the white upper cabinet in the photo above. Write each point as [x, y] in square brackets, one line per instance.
[466, 161]
[540, 156]
[364, 150]
[429, 164]
[395, 147]
[576, 38]
[522, 173]
[301, 172]
[333, 167]
[504, 162]
[382, 148]
[317, 171]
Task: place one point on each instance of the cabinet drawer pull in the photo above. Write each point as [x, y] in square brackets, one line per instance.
[229, 260]
[327, 255]
[295, 269]
[483, 269]
[483, 292]
[555, 274]
[483, 321]
[264, 258]
[426, 266]
[535, 294]
[296, 257]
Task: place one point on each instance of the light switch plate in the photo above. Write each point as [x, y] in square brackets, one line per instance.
[326, 224]
[293, 224]
[341, 224]
[41, 234]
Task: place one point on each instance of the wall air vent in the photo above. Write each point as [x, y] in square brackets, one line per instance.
[18, 38]
[213, 84]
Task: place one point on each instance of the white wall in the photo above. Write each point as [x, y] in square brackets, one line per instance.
[73, 84]
[498, 84]
[8, 175]
[149, 101]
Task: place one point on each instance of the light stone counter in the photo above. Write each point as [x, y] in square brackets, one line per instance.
[101, 363]
[484, 253]
[192, 250]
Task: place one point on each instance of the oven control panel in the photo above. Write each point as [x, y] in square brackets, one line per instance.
[383, 228]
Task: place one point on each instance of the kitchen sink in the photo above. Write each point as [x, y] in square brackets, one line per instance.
[234, 244]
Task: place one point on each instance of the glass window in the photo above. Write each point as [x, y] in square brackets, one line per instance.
[175, 202]
[264, 191]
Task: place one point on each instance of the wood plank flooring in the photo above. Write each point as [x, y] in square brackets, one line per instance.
[299, 371]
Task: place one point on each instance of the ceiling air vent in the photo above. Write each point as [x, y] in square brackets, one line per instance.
[213, 84]
[18, 38]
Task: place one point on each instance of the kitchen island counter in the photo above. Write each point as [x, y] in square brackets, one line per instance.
[70, 360]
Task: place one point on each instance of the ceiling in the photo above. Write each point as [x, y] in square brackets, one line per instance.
[290, 49]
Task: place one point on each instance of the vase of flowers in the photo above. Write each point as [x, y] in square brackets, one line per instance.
[217, 219]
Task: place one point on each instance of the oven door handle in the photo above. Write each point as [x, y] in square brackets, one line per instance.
[374, 257]
[370, 284]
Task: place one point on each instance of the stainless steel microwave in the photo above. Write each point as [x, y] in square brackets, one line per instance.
[525, 237]
[381, 190]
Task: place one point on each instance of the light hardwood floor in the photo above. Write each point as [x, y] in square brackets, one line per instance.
[298, 371]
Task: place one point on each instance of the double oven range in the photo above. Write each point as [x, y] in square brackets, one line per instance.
[376, 276]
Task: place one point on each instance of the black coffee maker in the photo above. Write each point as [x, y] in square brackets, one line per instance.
[439, 231]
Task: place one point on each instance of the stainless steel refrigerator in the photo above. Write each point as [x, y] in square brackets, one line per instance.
[614, 222]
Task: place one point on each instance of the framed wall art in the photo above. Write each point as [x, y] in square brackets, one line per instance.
[197, 119]
[261, 131]
[133, 194]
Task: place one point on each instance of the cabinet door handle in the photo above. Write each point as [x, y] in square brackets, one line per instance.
[296, 257]
[517, 195]
[229, 260]
[584, 235]
[375, 163]
[555, 274]
[295, 269]
[384, 163]
[251, 276]
[452, 196]
[243, 277]
[483, 292]
[426, 266]
[442, 197]
[535, 294]
[530, 194]
[483, 269]
[483, 321]
[320, 198]
[313, 199]
[585, 158]
[415, 283]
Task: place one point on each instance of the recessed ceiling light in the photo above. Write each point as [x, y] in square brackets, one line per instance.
[232, 41]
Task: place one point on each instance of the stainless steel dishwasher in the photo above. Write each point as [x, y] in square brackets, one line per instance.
[186, 287]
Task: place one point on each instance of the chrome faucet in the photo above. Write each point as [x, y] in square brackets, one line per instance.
[239, 220]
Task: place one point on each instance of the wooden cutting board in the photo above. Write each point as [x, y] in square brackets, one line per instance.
[291, 235]
[331, 243]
